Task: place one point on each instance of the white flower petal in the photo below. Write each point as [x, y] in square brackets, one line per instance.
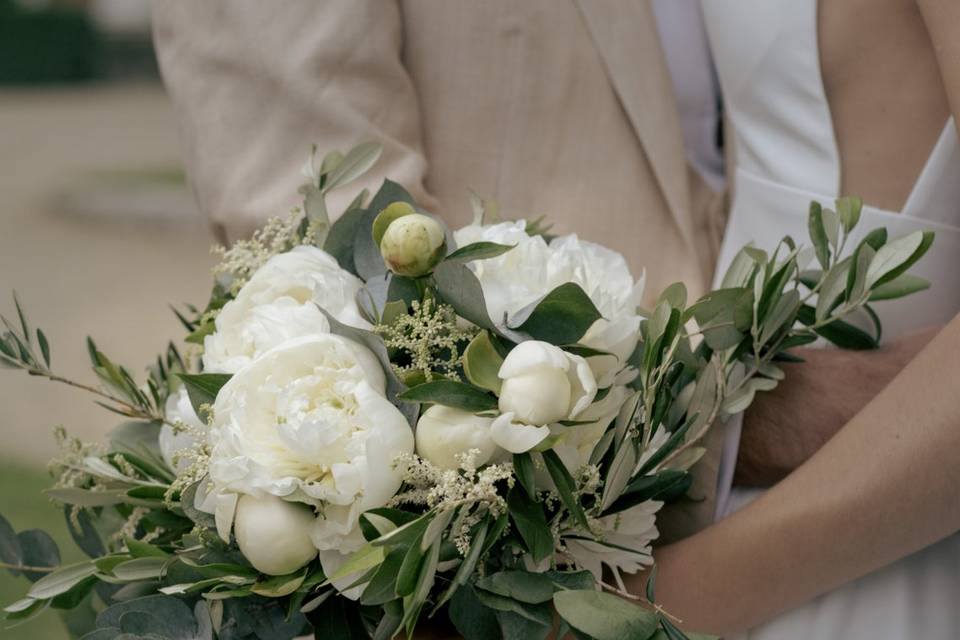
[516, 437]
[530, 356]
[583, 386]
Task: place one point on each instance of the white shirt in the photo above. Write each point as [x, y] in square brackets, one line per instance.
[684, 40]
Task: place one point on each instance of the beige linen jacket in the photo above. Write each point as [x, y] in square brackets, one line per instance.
[556, 107]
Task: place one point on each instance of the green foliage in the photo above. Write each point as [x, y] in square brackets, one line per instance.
[451, 394]
[604, 616]
[479, 251]
[561, 317]
[202, 389]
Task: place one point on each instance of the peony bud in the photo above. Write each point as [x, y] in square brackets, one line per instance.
[443, 432]
[273, 534]
[542, 385]
[413, 244]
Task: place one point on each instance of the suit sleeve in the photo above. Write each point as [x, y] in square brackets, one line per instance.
[255, 83]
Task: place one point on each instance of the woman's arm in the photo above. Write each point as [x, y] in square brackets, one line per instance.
[885, 486]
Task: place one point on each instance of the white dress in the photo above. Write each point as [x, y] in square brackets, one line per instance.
[767, 57]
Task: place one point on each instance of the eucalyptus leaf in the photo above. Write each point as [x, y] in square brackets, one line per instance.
[451, 394]
[10, 551]
[532, 588]
[561, 317]
[39, 550]
[604, 616]
[459, 287]
[472, 619]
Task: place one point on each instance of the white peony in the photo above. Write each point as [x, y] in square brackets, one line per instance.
[280, 302]
[443, 432]
[308, 421]
[533, 268]
[179, 411]
[542, 385]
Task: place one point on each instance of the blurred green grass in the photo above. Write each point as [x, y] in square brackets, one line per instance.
[23, 504]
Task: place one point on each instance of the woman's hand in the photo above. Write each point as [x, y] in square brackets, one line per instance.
[882, 488]
[785, 427]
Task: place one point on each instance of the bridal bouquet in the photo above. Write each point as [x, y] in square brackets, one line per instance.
[380, 419]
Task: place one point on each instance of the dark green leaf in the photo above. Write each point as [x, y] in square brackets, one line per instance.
[472, 619]
[514, 626]
[566, 487]
[571, 579]
[10, 551]
[396, 516]
[451, 394]
[407, 533]
[466, 568]
[652, 585]
[409, 573]
[530, 523]
[479, 251]
[539, 613]
[382, 587]
[561, 317]
[665, 486]
[169, 618]
[202, 388]
[44, 346]
[524, 586]
[39, 550]
[818, 234]
[604, 616]
[840, 333]
[459, 288]
[278, 586]
[342, 236]
[524, 469]
[86, 537]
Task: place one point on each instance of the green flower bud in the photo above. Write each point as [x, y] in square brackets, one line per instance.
[412, 244]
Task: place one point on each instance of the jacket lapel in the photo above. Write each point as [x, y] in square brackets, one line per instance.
[625, 33]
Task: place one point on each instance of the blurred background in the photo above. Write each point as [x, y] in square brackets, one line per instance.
[98, 231]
